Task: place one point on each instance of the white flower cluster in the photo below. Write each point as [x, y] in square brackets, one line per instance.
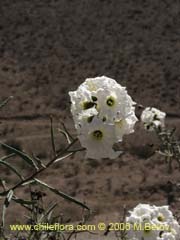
[152, 118]
[103, 112]
[152, 223]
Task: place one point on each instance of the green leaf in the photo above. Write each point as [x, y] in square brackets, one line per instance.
[47, 213]
[52, 137]
[13, 169]
[23, 201]
[38, 161]
[24, 156]
[5, 205]
[66, 135]
[8, 198]
[61, 158]
[29, 182]
[8, 156]
[2, 104]
[3, 193]
[65, 196]
[3, 184]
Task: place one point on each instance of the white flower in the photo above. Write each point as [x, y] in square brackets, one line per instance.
[93, 84]
[114, 102]
[175, 229]
[148, 233]
[141, 215]
[142, 212]
[102, 100]
[85, 118]
[81, 103]
[165, 217]
[125, 126]
[98, 138]
[152, 118]
[166, 236]
[163, 214]
[163, 226]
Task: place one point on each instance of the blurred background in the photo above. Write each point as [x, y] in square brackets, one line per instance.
[49, 47]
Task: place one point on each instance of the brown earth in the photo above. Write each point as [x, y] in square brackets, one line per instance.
[48, 48]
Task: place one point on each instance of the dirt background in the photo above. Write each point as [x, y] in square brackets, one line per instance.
[49, 47]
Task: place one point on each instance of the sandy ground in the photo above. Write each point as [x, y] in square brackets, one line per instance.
[48, 48]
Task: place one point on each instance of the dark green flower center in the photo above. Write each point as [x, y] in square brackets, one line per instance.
[104, 119]
[87, 105]
[156, 117]
[110, 101]
[160, 218]
[97, 134]
[147, 230]
[89, 119]
[94, 98]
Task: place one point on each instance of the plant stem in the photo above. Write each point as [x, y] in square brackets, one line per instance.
[32, 176]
